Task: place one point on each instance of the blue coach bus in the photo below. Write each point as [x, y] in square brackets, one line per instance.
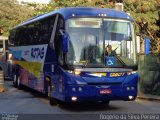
[62, 54]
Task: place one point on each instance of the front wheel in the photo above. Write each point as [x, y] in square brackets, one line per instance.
[19, 84]
[52, 101]
[105, 102]
[15, 81]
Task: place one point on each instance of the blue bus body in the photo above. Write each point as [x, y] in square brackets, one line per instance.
[38, 66]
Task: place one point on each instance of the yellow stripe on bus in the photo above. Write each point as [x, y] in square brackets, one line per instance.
[102, 74]
[32, 67]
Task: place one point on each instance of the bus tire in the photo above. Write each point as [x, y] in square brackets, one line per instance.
[106, 102]
[19, 84]
[52, 101]
[15, 81]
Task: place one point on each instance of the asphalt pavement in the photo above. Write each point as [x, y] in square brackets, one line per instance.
[28, 103]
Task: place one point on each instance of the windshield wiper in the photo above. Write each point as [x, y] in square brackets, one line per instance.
[123, 63]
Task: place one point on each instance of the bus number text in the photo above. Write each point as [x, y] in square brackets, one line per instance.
[37, 53]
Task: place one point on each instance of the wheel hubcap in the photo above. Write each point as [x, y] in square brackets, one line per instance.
[14, 79]
[18, 81]
[49, 91]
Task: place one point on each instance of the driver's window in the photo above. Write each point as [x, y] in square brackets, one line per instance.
[58, 40]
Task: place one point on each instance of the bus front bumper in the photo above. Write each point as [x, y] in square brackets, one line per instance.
[87, 93]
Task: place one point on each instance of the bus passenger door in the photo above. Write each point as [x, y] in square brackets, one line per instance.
[58, 78]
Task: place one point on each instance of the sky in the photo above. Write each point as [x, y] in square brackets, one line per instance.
[38, 1]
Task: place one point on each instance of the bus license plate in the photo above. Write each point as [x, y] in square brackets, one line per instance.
[106, 91]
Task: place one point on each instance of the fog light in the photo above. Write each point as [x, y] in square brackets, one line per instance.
[130, 97]
[128, 88]
[74, 98]
[77, 72]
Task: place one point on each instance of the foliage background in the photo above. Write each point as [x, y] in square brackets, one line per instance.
[146, 14]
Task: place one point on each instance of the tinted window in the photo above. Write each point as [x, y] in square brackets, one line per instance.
[35, 33]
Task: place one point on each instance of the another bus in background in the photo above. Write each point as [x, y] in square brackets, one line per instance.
[3, 54]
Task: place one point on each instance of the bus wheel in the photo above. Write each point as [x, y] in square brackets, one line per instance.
[105, 102]
[52, 101]
[19, 84]
[15, 81]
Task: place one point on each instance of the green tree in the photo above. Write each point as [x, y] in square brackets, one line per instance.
[12, 14]
[145, 14]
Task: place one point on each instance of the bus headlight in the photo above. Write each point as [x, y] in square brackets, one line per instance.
[76, 72]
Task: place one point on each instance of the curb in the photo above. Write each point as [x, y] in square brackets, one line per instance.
[149, 98]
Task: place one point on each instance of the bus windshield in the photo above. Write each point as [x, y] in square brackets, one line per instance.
[89, 38]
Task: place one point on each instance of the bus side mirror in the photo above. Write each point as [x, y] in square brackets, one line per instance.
[146, 45]
[65, 41]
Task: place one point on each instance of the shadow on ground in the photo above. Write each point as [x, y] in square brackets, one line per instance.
[77, 107]
[82, 107]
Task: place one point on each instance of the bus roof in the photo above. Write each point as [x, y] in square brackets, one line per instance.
[82, 12]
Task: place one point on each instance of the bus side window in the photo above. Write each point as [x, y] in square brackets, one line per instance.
[30, 36]
[16, 43]
[12, 37]
[20, 39]
[45, 30]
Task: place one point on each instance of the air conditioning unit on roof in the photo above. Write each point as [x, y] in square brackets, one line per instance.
[119, 6]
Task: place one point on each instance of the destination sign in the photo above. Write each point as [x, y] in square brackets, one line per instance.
[91, 23]
[87, 23]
